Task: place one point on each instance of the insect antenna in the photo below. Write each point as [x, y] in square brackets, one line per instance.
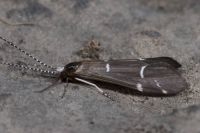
[29, 68]
[26, 53]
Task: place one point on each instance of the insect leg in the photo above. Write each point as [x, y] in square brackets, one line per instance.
[64, 91]
[94, 85]
[48, 87]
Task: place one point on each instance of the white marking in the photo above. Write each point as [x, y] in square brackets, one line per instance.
[164, 91]
[142, 71]
[139, 87]
[157, 83]
[59, 69]
[107, 67]
[141, 59]
[89, 83]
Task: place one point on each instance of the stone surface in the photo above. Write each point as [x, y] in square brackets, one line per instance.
[54, 30]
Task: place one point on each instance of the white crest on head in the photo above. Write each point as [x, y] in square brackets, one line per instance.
[139, 87]
[59, 69]
[142, 71]
[107, 67]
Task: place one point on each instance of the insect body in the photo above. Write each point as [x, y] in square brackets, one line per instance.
[151, 76]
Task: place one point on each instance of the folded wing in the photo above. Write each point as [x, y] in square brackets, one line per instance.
[150, 75]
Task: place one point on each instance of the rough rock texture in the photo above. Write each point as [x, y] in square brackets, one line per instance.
[55, 30]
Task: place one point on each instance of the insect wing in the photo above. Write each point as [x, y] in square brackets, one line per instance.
[151, 76]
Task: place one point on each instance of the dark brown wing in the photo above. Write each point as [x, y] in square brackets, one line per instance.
[151, 75]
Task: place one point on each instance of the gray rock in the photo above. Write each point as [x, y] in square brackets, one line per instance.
[55, 30]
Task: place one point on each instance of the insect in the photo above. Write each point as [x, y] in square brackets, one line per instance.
[151, 76]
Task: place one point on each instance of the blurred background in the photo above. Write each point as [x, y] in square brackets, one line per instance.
[62, 31]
